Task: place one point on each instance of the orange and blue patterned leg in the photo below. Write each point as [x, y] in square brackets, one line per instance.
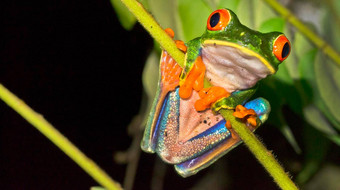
[169, 80]
[260, 106]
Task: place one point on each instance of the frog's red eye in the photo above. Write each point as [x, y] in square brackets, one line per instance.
[281, 47]
[218, 20]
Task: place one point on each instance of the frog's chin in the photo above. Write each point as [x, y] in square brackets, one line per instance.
[232, 67]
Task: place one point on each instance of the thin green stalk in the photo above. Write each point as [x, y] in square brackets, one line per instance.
[265, 157]
[58, 139]
[155, 30]
[257, 148]
[313, 37]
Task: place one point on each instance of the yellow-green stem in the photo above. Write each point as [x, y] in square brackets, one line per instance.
[257, 148]
[313, 37]
[58, 139]
[155, 30]
[265, 157]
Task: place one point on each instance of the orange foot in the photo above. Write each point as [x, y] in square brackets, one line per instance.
[248, 115]
[194, 80]
[179, 43]
[170, 70]
[209, 96]
[229, 127]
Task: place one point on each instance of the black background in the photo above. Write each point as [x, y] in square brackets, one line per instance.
[73, 62]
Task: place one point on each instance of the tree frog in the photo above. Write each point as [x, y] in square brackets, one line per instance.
[222, 68]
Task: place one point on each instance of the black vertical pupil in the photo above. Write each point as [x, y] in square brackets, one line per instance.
[214, 19]
[285, 50]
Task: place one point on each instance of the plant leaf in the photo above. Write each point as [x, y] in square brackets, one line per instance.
[327, 77]
[318, 120]
[273, 24]
[326, 178]
[150, 74]
[97, 188]
[165, 12]
[316, 147]
[230, 4]
[126, 19]
[193, 16]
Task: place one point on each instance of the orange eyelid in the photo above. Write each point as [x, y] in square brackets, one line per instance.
[278, 46]
[222, 23]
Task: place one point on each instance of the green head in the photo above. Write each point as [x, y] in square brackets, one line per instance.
[225, 30]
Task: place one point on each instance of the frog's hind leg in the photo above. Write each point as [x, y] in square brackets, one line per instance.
[168, 81]
[192, 166]
[261, 107]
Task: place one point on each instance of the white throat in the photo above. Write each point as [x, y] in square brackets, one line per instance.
[231, 68]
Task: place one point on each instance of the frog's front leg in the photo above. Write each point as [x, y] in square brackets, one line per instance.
[195, 81]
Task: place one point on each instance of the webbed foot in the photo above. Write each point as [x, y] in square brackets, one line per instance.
[194, 80]
[209, 96]
[248, 115]
[170, 70]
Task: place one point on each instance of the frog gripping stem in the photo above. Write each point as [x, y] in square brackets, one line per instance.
[194, 80]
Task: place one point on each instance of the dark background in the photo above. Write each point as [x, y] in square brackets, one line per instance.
[73, 62]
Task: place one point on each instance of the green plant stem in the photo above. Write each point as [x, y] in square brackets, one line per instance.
[155, 30]
[265, 157]
[257, 148]
[313, 37]
[58, 139]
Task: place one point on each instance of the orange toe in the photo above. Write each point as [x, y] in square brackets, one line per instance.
[170, 72]
[228, 125]
[241, 112]
[170, 32]
[194, 79]
[248, 114]
[209, 96]
[252, 121]
[181, 46]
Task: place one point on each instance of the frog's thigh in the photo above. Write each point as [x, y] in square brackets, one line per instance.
[192, 166]
[261, 106]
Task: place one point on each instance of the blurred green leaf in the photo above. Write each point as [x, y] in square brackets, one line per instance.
[262, 12]
[166, 13]
[151, 74]
[244, 13]
[273, 24]
[193, 16]
[331, 23]
[271, 90]
[126, 19]
[327, 77]
[97, 188]
[318, 120]
[230, 4]
[326, 179]
[301, 45]
[288, 134]
[150, 83]
[316, 116]
[306, 69]
[316, 147]
[212, 3]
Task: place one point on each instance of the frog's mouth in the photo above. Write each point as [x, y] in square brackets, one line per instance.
[232, 66]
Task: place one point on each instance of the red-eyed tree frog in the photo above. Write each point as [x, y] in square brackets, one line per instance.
[183, 127]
